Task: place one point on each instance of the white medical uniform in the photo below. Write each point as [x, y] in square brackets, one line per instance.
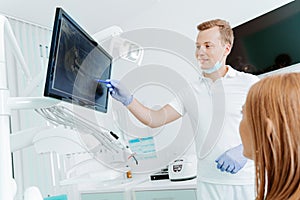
[211, 182]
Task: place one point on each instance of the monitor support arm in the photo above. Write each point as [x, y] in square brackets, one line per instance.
[8, 103]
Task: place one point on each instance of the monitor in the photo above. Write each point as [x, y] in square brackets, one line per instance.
[268, 42]
[75, 64]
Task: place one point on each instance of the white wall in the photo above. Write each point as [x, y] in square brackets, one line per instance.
[183, 17]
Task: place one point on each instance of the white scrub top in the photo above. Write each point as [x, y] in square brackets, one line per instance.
[220, 101]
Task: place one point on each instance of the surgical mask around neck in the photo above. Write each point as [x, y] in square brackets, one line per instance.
[215, 68]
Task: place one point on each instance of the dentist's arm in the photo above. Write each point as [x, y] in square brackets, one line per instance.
[153, 118]
[149, 117]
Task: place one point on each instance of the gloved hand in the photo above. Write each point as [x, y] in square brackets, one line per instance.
[119, 92]
[232, 160]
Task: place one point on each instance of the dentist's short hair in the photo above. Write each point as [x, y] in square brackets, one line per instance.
[224, 27]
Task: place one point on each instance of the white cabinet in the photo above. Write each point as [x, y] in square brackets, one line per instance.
[180, 194]
[103, 196]
[189, 194]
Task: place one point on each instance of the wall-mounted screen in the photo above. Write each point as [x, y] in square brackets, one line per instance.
[76, 62]
[268, 42]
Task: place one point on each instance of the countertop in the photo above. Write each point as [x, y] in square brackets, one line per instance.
[136, 183]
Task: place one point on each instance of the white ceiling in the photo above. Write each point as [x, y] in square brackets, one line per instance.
[91, 14]
[178, 15]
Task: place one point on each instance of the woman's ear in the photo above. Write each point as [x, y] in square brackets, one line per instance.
[269, 128]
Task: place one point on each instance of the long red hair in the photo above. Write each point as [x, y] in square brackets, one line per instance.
[277, 155]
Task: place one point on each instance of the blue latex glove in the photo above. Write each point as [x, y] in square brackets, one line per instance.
[119, 92]
[232, 160]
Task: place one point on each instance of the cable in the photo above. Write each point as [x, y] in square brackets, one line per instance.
[59, 115]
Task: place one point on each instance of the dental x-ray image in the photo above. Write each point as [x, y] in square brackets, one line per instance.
[76, 62]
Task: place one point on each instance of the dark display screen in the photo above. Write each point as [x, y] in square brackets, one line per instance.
[76, 62]
[268, 42]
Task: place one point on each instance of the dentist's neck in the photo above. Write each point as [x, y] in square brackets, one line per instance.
[217, 74]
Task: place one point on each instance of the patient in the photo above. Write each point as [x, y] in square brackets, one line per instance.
[270, 132]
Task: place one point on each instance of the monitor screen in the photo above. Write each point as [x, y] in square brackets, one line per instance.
[75, 64]
[268, 42]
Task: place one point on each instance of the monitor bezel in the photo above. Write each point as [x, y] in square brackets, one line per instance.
[48, 91]
[257, 24]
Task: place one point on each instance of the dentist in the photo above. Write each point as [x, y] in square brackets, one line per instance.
[223, 172]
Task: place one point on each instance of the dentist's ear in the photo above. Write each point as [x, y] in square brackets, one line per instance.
[227, 49]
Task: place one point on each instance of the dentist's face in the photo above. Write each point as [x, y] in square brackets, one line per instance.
[209, 48]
